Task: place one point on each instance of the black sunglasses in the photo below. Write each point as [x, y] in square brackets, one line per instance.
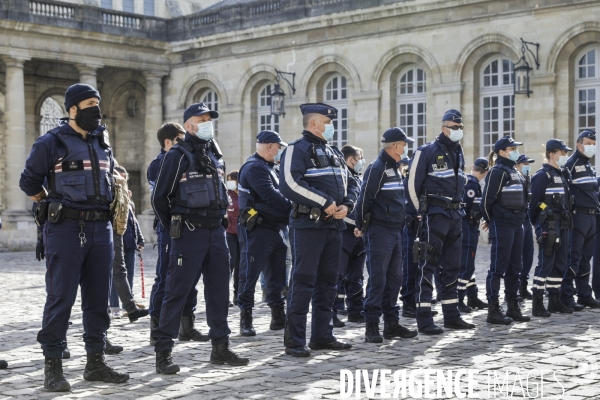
[455, 127]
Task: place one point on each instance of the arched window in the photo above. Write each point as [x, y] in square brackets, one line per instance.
[51, 113]
[497, 102]
[587, 89]
[410, 105]
[266, 121]
[211, 99]
[336, 95]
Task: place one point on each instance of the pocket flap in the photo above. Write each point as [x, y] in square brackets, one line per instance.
[72, 180]
[197, 187]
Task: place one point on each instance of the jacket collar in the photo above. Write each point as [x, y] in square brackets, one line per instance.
[388, 160]
[505, 161]
[312, 138]
[257, 156]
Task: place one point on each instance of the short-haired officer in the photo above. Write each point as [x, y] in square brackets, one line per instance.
[264, 214]
[352, 260]
[504, 209]
[77, 161]
[596, 259]
[470, 238]
[190, 198]
[380, 213]
[524, 169]
[584, 188]
[167, 135]
[550, 214]
[314, 177]
[435, 185]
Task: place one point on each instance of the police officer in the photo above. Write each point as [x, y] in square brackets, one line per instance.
[524, 169]
[167, 135]
[549, 212]
[435, 185]
[352, 260]
[380, 217]
[584, 188]
[264, 214]
[77, 161]
[503, 208]
[315, 178]
[191, 199]
[470, 238]
[596, 259]
[3, 364]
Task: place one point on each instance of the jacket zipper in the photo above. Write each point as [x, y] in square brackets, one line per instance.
[95, 169]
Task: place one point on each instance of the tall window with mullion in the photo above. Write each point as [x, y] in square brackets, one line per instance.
[411, 105]
[266, 121]
[336, 95]
[211, 99]
[587, 89]
[497, 102]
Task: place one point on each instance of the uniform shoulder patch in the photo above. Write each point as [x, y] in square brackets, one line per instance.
[390, 172]
[580, 168]
[557, 179]
[471, 193]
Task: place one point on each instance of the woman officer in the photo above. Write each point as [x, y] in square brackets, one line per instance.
[549, 212]
[503, 208]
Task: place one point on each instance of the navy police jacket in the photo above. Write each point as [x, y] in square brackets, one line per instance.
[504, 197]
[153, 168]
[472, 196]
[78, 171]
[350, 218]
[259, 188]
[584, 186]
[551, 187]
[437, 168]
[382, 194]
[187, 188]
[314, 174]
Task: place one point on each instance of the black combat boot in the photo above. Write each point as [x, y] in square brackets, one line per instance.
[66, 353]
[462, 307]
[572, 304]
[555, 305]
[246, 328]
[523, 292]
[496, 315]
[187, 332]
[458, 323]
[537, 306]
[153, 326]
[409, 310]
[356, 317]
[54, 380]
[96, 369]
[372, 334]
[222, 355]
[514, 311]
[337, 323]
[277, 318]
[392, 329]
[111, 348]
[165, 364]
[589, 302]
[3, 364]
[474, 302]
[137, 314]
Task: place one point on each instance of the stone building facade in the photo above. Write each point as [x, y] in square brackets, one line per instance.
[381, 62]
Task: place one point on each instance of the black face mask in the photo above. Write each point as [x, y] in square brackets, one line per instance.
[88, 118]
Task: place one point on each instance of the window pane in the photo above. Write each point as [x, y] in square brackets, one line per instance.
[128, 6]
[106, 4]
[149, 7]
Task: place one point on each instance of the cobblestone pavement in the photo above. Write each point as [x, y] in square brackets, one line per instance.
[512, 356]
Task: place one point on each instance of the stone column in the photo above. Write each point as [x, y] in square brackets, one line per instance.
[363, 128]
[153, 121]
[87, 74]
[230, 141]
[15, 144]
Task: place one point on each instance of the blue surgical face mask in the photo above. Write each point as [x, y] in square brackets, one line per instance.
[205, 130]
[360, 164]
[277, 156]
[404, 156]
[456, 135]
[514, 155]
[589, 150]
[526, 170]
[562, 161]
[328, 132]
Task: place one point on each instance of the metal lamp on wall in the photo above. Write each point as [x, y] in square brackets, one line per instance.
[278, 95]
[522, 68]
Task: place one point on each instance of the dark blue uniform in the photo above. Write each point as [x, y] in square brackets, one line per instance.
[79, 250]
[528, 249]
[190, 185]
[596, 260]
[157, 293]
[382, 197]
[550, 190]
[352, 262]
[437, 172]
[410, 269]
[262, 248]
[503, 207]
[584, 188]
[313, 175]
[470, 237]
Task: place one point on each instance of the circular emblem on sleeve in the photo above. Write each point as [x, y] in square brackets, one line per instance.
[471, 193]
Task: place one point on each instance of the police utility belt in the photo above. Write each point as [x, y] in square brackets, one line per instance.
[55, 213]
[178, 221]
[314, 213]
[447, 205]
[250, 218]
[582, 210]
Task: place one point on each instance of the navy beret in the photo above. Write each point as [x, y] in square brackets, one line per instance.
[505, 142]
[319, 108]
[395, 134]
[269, 137]
[587, 133]
[524, 159]
[198, 109]
[453, 116]
[78, 92]
[557, 144]
[481, 162]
